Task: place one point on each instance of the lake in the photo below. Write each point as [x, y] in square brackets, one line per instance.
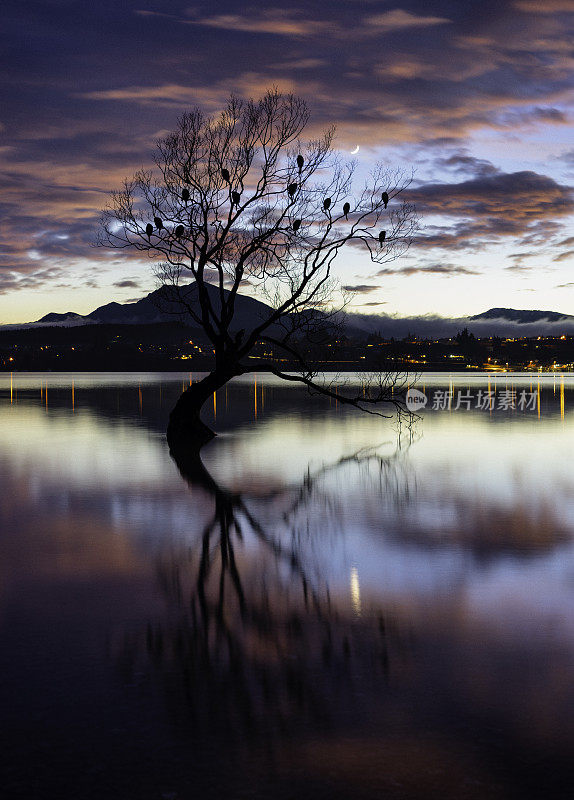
[337, 605]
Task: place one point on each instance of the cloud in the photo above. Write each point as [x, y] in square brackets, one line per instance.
[433, 269]
[564, 256]
[302, 63]
[398, 19]
[513, 196]
[531, 116]
[462, 162]
[163, 94]
[270, 21]
[15, 280]
[127, 284]
[361, 288]
[518, 268]
[493, 206]
[456, 82]
[544, 6]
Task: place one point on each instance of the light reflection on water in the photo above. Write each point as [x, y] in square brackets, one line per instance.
[336, 607]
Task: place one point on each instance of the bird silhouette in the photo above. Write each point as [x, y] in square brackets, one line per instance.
[185, 195]
[382, 236]
[385, 198]
[326, 203]
[179, 231]
[296, 225]
[346, 209]
[236, 197]
[291, 189]
[300, 162]
[158, 223]
[225, 174]
[149, 230]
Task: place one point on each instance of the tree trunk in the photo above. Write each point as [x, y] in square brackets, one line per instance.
[186, 432]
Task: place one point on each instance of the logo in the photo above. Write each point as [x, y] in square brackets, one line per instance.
[416, 400]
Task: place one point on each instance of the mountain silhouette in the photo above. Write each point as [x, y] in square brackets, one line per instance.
[157, 307]
[522, 316]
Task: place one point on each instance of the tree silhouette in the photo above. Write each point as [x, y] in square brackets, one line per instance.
[239, 200]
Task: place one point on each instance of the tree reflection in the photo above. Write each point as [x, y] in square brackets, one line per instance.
[255, 642]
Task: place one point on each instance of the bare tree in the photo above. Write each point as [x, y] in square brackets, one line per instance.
[239, 200]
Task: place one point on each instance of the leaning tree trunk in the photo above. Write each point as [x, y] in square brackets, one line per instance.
[186, 432]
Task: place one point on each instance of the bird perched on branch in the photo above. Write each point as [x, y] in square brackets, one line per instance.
[346, 209]
[179, 231]
[296, 225]
[300, 162]
[385, 199]
[382, 236]
[185, 195]
[158, 223]
[291, 189]
[149, 230]
[326, 203]
[236, 197]
[225, 174]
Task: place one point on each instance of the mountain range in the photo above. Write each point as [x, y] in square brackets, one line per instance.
[522, 316]
[155, 308]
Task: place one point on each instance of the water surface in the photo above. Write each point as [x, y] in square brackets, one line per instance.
[338, 606]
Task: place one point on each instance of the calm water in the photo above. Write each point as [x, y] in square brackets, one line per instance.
[335, 608]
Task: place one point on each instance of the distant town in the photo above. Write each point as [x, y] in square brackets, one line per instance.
[174, 347]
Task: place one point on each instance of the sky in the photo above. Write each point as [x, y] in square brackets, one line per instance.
[475, 96]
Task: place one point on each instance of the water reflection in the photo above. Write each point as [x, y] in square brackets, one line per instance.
[304, 611]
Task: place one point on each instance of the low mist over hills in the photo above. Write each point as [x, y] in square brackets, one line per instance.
[494, 322]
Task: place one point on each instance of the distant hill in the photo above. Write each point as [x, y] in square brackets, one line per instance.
[69, 319]
[522, 317]
[68, 316]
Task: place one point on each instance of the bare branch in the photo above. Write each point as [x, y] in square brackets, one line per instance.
[242, 197]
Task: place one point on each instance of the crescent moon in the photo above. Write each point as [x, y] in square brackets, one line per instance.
[355, 151]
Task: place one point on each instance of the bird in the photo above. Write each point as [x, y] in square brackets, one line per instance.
[236, 197]
[225, 174]
[179, 231]
[185, 195]
[296, 225]
[291, 189]
[326, 203]
[385, 198]
[300, 162]
[158, 223]
[149, 230]
[382, 236]
[346, 209]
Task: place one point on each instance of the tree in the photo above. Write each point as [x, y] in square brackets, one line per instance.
[239, 200]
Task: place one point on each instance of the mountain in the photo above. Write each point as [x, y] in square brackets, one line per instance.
[68, 319]
[157, 307]
[522, 316]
